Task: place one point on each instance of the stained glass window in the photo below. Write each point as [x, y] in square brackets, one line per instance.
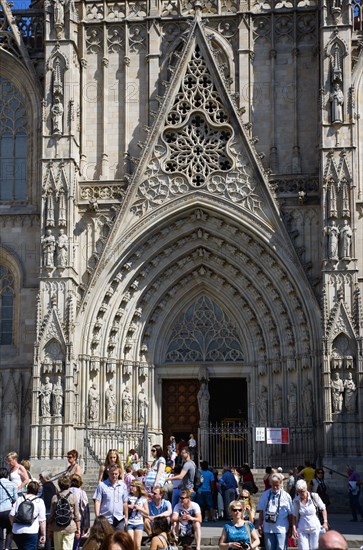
[6, 306]
[13, 143]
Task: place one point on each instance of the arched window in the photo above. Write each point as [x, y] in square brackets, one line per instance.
[6, 306]
[13, 143]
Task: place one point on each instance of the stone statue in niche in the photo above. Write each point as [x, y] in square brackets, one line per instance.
[292, 403]
[346, 235]
[337, 390]
[57, 116]
[337, 101]
[62, 249]
[45, 395]
[93, 402]
[203, 401]
[308, 401]
[110, 398]
[350, 394]
[126, 405]
[142, 405]
[262, 405]
[58, 397]
[333, 234]
[48, 248]
[58, 16]
[277, 399]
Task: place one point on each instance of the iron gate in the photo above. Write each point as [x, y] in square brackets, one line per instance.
[225, 443]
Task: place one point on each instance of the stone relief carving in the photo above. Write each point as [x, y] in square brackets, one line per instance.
[137, 38]
[57, 116]
[94, 39]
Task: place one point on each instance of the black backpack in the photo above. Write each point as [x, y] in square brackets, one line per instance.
[198, 479]
[25, 513]
[63, 511]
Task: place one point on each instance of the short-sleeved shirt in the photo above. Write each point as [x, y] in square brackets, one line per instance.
[206, 485]
[186, 526]
[238, 534]
[8, 494]
[283, 505]
[188, 480]
[157, 510]
[135, 516]
[112, 499]
[38, 515]
[306, 516]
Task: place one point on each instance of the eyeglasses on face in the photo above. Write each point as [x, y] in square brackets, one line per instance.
[183, 498]
[236, 509]
[153, 450]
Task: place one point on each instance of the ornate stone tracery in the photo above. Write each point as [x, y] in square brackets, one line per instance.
[204, 333]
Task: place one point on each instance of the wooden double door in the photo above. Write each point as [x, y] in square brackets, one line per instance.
[180, 412]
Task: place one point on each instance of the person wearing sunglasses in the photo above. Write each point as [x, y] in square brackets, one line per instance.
[159, 507]
[73, 466]
[240, 534]
[249, 513]
[186, 520]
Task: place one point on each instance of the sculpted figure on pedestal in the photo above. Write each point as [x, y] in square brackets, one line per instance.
[142, 405]
[62, 249]
[350, 394]
[337, 100]
[333, 233]
[93, 402]
[346, 235]
[48, 248]
[262, 402]
[45, 396]
[126, 405]
[308, 401]
[203, 401]
[110, 404]
[58, 396]
[57, 116]
[337, 389]
[292, 403]
[277, 400]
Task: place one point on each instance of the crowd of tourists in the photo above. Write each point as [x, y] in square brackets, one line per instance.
[165, 504]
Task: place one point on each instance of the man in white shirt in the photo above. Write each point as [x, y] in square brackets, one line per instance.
[275, 514]
[186, 520]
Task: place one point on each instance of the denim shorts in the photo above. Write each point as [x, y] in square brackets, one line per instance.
[138, 527]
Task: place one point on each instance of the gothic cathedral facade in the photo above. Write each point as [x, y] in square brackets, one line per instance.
[181, 204]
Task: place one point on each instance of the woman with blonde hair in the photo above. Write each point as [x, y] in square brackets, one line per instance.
[239, 534]
[18, 473]
[112, 458]
[138, 509]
